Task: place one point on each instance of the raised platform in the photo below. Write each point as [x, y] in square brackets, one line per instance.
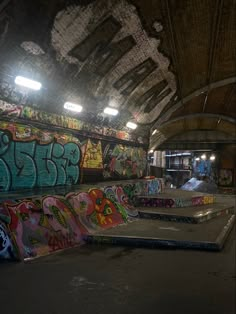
[191, 214]
[172, 198]
[161, 234]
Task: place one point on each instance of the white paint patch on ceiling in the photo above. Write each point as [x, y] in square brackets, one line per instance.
[32, 48]
[157, 26]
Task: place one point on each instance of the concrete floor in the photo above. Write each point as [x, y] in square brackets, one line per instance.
[117, 280]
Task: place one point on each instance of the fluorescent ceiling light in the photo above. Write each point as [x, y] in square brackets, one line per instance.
[154, 132]
[23, 81]
[111, 111]
[203, 156]
[131, 125]
[73, 107]
[212, 157]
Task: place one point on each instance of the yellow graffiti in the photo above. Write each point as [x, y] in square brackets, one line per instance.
[208, 200]
[93, 155]
[102, 219]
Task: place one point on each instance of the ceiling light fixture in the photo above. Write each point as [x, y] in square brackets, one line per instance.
[23, 81]
[197, 158]
[131, 125]
[73, 107]
[203, 156]
[212, 158]
[111, 111]
[150, 151]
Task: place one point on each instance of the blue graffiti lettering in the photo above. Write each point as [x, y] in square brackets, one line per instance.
[29, 164]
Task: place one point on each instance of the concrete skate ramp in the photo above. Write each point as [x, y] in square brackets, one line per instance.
[156, 233]
[200, 186]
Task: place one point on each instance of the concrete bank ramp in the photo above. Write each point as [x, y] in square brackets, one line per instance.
[161, 234]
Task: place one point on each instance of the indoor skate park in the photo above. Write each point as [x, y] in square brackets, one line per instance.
[117, 156]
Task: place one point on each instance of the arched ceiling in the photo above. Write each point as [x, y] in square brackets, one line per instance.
[168, 65]
[194, 129]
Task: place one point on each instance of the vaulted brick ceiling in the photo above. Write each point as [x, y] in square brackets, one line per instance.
[168, 65]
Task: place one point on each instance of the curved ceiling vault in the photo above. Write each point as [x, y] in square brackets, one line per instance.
[168, 65]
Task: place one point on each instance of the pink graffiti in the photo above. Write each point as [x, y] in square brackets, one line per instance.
[83, 207]
[198, 200]
[62, 219]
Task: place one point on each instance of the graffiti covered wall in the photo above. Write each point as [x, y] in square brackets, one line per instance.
[37, 226]
[47, 224]
[30, 157]
[25, 112]
[43, 226]
[123, 161]
[33, 157]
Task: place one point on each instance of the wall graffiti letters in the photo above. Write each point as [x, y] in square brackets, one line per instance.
[29, 164]
[175, 202]
[156, 202]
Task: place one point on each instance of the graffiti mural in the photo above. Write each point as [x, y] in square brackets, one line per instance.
[153, 186]
[142, 187]
[226, 177]
[95, 210]
[83, 207]
[106, 212]
[43, 226]
[202, 200]
[4, 214]
[117, 195]
[51, 223]
[7, 246]
[123, 161]
[32, 114]
[38, 226]
[26, 133]
[174, 202]
[93, 155]
[34, 157]
[10, 109]
[25, 163]
[113, 47]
